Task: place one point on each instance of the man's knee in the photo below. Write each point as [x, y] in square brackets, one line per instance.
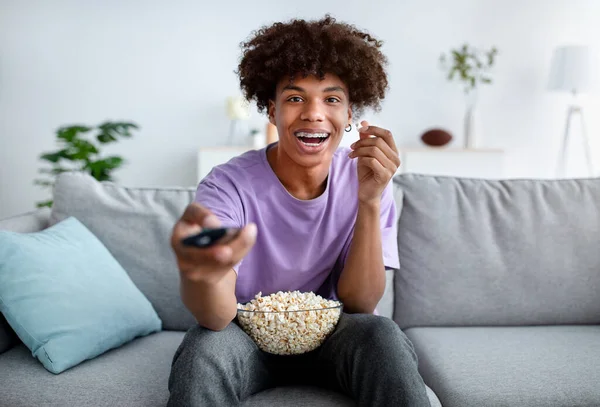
[199, 341]
[367, 326]
[377, 334]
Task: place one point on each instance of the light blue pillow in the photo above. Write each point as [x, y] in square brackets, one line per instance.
[67, 297]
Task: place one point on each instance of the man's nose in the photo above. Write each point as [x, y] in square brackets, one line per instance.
[313, 111]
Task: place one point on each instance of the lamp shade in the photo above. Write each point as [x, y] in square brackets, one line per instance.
[570, 69]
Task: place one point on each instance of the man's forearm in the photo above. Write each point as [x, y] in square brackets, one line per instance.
[214, 305]
[362, 281]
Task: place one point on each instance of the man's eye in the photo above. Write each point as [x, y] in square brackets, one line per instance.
[295, 99]
[332, 100]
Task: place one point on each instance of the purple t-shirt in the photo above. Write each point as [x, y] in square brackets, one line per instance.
[301, 244]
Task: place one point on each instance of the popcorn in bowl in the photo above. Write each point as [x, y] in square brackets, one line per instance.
[289, 323]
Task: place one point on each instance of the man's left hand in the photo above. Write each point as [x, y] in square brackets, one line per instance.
[378, 161]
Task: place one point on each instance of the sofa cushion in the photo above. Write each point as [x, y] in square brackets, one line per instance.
[538, 366]
[135, 374]
[33, 221]
[25, 223]
[301, 396]
[135, 225]
[298, 396]
[497, 252]
[66, 297]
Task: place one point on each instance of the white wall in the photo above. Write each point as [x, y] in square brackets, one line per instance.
[168, 66]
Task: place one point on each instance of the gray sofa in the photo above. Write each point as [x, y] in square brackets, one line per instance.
[499, 290]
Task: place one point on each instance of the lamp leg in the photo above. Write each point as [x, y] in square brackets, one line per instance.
[560, 170]
[586, 145]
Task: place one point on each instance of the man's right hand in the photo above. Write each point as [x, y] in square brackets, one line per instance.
[211, 264]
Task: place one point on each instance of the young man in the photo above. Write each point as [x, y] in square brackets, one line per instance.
[315, 217]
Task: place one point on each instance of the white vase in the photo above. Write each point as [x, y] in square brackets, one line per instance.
[470, 134]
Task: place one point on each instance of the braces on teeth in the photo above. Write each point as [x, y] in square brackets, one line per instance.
[301, 135]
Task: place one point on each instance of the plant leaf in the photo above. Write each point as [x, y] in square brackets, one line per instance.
[110, 131]
[109, 162]
[100, 169]
[69, 133]
[105, 138]
[104, 176]
[113, 162]
[56, 156]
[45, 203]
[53, 171]
[82, 150]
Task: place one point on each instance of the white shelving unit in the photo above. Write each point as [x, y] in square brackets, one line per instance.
[471, 163]
[209, 157]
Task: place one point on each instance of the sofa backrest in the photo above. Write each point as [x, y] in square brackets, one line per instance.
[29, 222]
[135, 225]
[497, 252]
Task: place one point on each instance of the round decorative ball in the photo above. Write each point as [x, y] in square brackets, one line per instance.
[436, 137]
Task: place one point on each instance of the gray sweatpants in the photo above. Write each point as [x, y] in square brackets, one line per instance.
[367, 357]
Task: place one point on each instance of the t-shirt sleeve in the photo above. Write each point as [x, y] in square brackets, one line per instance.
[389, 230]
[219, 195]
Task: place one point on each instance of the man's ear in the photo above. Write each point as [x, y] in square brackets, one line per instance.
[350, 114]
[271, 111]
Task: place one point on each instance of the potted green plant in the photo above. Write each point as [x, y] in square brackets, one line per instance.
[80, 150]
[471, 68]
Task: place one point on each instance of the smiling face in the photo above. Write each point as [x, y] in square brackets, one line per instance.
[310, 115]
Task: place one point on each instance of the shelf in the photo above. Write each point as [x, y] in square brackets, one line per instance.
[225, 148]
[448, 161]
[458, 162]
[400, 148]
[448, 150]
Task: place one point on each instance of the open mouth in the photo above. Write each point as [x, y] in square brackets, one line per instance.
[311, 139]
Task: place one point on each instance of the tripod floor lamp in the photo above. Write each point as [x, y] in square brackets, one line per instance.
[571, 71]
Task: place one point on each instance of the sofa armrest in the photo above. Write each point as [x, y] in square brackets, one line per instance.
[385, 307]
[29, 222]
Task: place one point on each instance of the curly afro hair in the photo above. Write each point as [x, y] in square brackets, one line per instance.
[313, 48]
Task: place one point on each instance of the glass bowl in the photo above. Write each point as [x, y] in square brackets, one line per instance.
[290, 332]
